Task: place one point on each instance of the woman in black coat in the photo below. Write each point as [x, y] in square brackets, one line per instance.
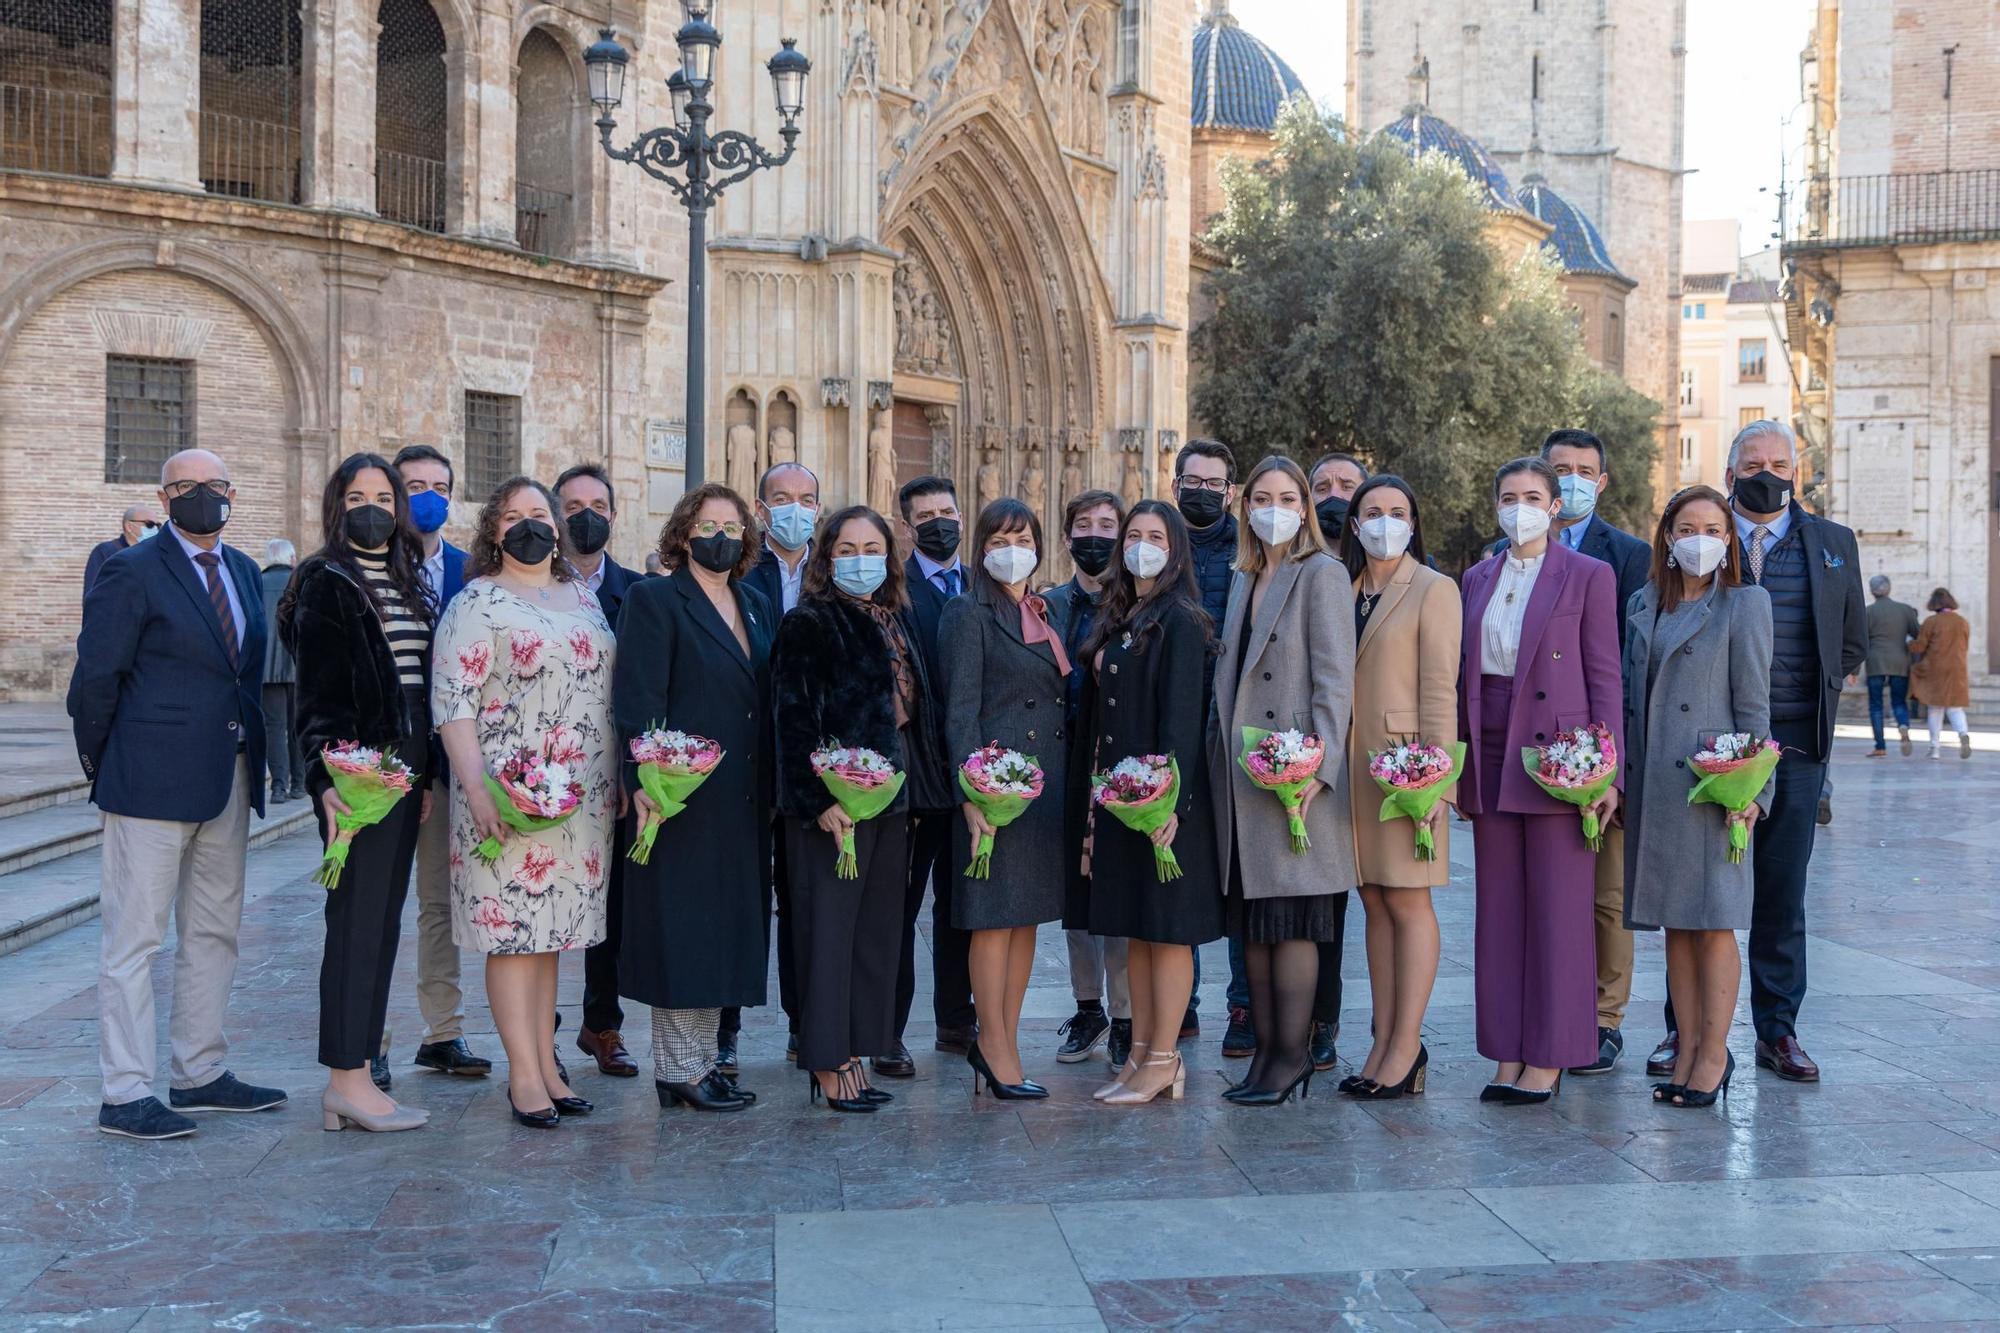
[1146, 697]
[694, 656]
[846, 672]
[358, 622]
[1004, 669]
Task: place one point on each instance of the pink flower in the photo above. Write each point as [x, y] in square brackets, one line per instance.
[562, 746]
[593, 864]
[536, 863]
[526, 646]
[491, 915]
[584, 647]
[457, 861]
[474, 664]
[493, 709]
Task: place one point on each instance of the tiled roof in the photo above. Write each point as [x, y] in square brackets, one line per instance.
[1753, 291]
[1575, 242]
[1704, 284]
[1239, 83]
[1422, 132]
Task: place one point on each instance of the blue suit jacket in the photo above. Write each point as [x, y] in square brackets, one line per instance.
[158, 712]
[454, 576]
[618, 581]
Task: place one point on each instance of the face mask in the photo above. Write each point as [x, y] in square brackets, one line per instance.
[1145, 560]
[1201, 507]
[1276, 526]
[938, 538]
[530, 541]
[588, 531]
[1758, 493]
[1579, 497]
[1524, 523]
[717, 554]
[1332, 515]
[791, 525]
[1699, 556]
[1092, 554]
[148, 530]
[429, 510]
[199, 512]
[1385, 538]
[861, 575]
[1011, 564]
[369, 527]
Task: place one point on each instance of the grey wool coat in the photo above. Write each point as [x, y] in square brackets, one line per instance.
[1299, 673]
[1714, 676]
[998, 687]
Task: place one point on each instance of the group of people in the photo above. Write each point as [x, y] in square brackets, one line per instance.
[1922, 660]
[1284, 600]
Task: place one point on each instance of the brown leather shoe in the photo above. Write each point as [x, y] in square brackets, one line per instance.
[608, 1049]
[1787, 1059]
[1660, 1064]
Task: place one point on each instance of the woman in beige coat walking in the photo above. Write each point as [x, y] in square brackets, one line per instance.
[1938, 674]
[1408, 625]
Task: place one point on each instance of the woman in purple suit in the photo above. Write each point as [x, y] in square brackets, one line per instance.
[1540, 654]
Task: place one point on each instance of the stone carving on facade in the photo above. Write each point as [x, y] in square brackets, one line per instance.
[742, 458]
[1170, 444]
[939, 417]
[923, 324]
[881, 394]
[1076, 443]
[1132, 445]
[833, 392]
[987, 483]
[882, 463]
[784, 449]
[1086, 85]
[1034, 481]
[959, 21]
[923, 34]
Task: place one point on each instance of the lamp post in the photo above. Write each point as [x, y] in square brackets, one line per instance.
[696, 164]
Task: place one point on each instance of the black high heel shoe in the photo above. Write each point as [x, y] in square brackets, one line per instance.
[844, 1100]
[1412, 1083]
[1353, 1084]
[1302, 1084]
[1519, 1096]
[533, 1119]
[869, 1092]
[1666, 1092]
[1691, 1096]
[701, 1096]
[574, 1105]
[1025, 1091]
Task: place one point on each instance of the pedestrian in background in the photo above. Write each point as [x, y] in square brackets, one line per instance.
[1938, 674]
[281, 736]
[139, 523]
[1891, 626]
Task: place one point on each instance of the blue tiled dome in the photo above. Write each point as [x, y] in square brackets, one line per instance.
[1421, 132]
[1239, 83]
[1575, 242]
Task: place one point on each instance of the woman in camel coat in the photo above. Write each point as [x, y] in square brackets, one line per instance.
[1938, 674]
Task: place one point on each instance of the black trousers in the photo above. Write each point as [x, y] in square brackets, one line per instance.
[1326, 1000]
[731, 1020]
[1781, 849]
[844, 938]
[364, 921]
[601, 1011]
[951, 948]
[281, 738]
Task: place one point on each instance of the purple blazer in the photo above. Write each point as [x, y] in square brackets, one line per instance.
[1565, 675]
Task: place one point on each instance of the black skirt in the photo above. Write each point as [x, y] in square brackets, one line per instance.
[1317, 917]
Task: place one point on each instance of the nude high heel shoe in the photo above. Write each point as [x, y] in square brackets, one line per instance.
[338, 1113]
[1132, 1062]
[1175, 1087]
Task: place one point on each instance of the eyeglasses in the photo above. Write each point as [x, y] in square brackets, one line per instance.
[708, 527]
[1219, 485]
[219, 488]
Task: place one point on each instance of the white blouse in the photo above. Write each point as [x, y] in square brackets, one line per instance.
[1500, 631]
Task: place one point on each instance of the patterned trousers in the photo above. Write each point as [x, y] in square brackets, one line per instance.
[684, 1044]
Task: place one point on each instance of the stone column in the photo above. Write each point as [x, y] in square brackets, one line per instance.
[338, 124]
[156, 93]
[482, 75]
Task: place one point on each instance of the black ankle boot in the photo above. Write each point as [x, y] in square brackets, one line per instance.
[702, 1096]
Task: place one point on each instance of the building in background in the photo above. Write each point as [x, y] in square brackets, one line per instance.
[1892, 295]
[1734, 366]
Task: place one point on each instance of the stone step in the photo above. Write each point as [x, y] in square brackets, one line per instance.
[28, 839]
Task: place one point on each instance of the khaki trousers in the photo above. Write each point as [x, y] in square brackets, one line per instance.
[1614, 942]
[154, 868]
[440, 999]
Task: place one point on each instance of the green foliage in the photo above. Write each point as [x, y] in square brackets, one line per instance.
[1360, 308]
[1629, 424]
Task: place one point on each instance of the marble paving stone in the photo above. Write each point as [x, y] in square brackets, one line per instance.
[660, 1253]
[1721, 1150]
[737, 1307]
[1585, 1223]
[1300, 1303]
[944, 1268]
[1301, 1233]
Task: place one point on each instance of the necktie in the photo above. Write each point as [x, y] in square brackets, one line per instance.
[1757, 536]
[218, 597]
[948, 582]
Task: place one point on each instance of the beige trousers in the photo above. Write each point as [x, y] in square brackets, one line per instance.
[1614, 942]
[440, 999]
[153, 869]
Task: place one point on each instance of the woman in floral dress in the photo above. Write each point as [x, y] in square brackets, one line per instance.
[523, 661]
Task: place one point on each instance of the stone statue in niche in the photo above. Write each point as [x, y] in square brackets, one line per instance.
[1050, 39]
[1132, 489]
[922, 33]
[1166, 463]
[923, 328]
[1035, 482]
[1087, 91]
[882, 465]
[1072, 476]
[899, 44]
[742, 459]
[784, 449]
[988, 484]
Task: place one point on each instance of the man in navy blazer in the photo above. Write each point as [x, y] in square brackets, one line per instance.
[168, 712]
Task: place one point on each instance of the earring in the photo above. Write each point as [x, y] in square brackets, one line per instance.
[1671, 562]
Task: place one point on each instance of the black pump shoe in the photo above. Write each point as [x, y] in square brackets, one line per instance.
[1278, 1096]
[548, 1119]
[1518, 1096]
[1412, 1083]
[1354, 1085]
[1691, 1096]
[1025, 1091]
[848, 1099]
[700, 1096]
[574, 1105]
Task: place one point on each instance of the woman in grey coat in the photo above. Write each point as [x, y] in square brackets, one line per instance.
[1287, 664]
[1004, 670]
[1697, 666]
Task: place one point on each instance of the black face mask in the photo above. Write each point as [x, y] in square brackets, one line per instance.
[1332, 513]
[588, 531]
[530, 541]
[717, 554]
[1760, 492]
[369, 527]
[1201, 507]
[199, 512]
[938, 537]
[1092, 554]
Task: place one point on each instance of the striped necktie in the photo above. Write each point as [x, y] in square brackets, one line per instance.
[218, 597]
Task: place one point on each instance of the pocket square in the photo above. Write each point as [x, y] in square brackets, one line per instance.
[1832, 561]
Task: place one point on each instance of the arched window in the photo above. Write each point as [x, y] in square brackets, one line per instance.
[55, 86]
[410, 136]
[1614, 340]
[250, 71]
[545, 129]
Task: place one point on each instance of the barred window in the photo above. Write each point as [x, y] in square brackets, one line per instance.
[148, 415]
[492, 442]
[250, 75]
[410, 101]
[55, 86]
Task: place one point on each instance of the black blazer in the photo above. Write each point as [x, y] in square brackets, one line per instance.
[769, 579]
[158, 712]
[925, 614]
[348, 686]
[618, 581]
[98, 555]
[1840, 613]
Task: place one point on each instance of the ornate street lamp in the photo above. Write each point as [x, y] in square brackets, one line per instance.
[697, 164]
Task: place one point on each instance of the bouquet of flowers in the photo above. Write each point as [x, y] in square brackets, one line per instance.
[1578, 766]
[864, 783]
[1734, 767]
[1283, 763]
[1001, 783]
[671, 765]
[370, 782]
[1142, 792]
[1413, 779]
[534, 791]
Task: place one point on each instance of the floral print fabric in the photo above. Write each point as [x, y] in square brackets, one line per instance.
[529, 676]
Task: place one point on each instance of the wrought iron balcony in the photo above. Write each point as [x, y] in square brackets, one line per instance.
[410, 190]
[1905, 208]
[44, 129]
[249, 159]
[541, 220]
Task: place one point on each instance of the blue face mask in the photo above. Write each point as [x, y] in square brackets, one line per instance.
[1579, 497]
[429, 510]
[791, 525]
[860, 575]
